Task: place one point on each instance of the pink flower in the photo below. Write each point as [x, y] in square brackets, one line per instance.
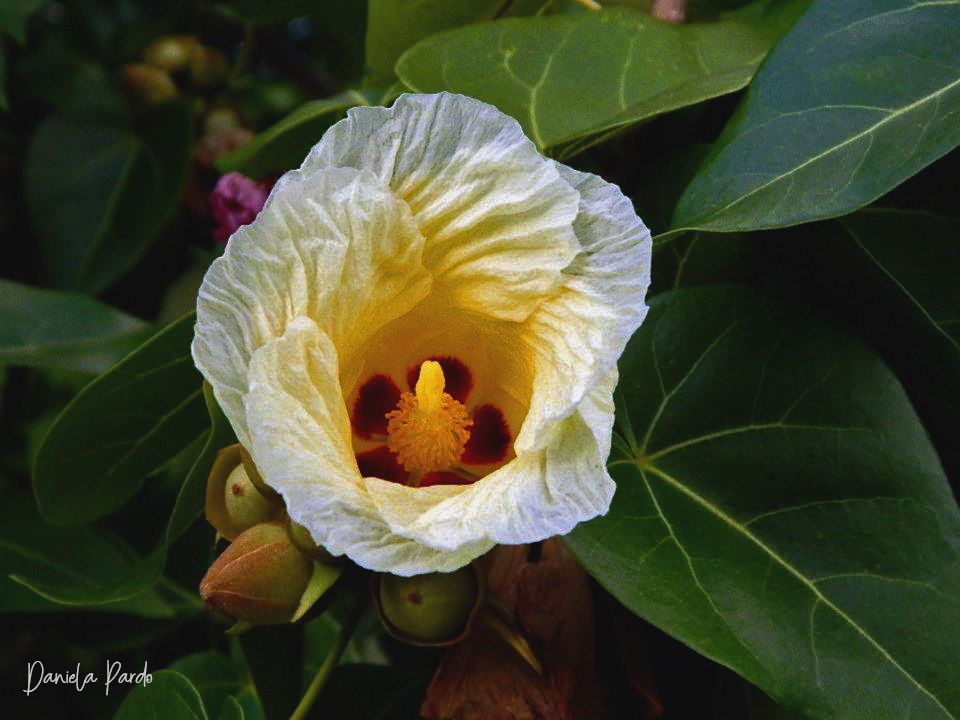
[235, 201]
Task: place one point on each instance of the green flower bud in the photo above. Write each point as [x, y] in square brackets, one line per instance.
[170, 53]
[260, 578]
[300, 537]
[432, 609]
[234, 503]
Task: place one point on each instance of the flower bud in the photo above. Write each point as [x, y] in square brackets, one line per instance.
[148, 85]
[432, 609]
[170, 53]
[260, 578]
[233, 502]
[301, 537]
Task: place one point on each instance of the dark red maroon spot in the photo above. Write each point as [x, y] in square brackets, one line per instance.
[381, 463]
[444, 478]
[377, 396]
[489, 437]
[459, 381]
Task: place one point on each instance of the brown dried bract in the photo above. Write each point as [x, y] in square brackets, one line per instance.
[482, 678]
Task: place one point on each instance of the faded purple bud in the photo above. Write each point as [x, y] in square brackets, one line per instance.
[235, 201]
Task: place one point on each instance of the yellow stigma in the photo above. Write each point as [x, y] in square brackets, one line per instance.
[428, 430]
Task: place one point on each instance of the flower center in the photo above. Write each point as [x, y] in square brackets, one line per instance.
[428, 430]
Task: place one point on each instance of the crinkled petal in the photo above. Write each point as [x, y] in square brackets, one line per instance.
[496, 214]
[559, 476]
[577, 336]
[337, 247]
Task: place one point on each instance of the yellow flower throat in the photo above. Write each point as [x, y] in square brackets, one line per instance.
[428, 430]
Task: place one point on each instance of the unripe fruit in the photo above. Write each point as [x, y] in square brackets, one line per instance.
[148, 85]
[220, 119]
[233, 501]
[170, 53]
[260, 577]
[432, 609]
[244, 503]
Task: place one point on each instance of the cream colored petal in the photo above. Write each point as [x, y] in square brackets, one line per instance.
[335, 246]
[559, 476]
[496, 214]
[576, 337]
[300, 435]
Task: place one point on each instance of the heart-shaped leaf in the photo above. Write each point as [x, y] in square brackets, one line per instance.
[779, 508]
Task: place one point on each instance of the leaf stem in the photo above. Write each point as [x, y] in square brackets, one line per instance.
[333, 657]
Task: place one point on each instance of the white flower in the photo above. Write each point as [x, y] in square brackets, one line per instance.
[427, 263]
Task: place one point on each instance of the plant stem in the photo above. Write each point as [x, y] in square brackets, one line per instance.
[333, 657]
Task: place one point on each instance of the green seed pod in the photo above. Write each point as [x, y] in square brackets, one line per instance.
[434, 609]
[260, 578]
[300, 537]
[233, 502]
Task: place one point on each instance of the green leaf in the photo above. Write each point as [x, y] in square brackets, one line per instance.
[855, 99]
[215, 677]
[702, 258]
[188, 505]
[119, 428]
[917, 257]
[14, 15]
[46, 328]
[231, 709]
[893, 274]
[79, 557]
[170, 696]
[395, 25]
[572, 80]
[97, 192]
[780, 509]
[283, 146]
